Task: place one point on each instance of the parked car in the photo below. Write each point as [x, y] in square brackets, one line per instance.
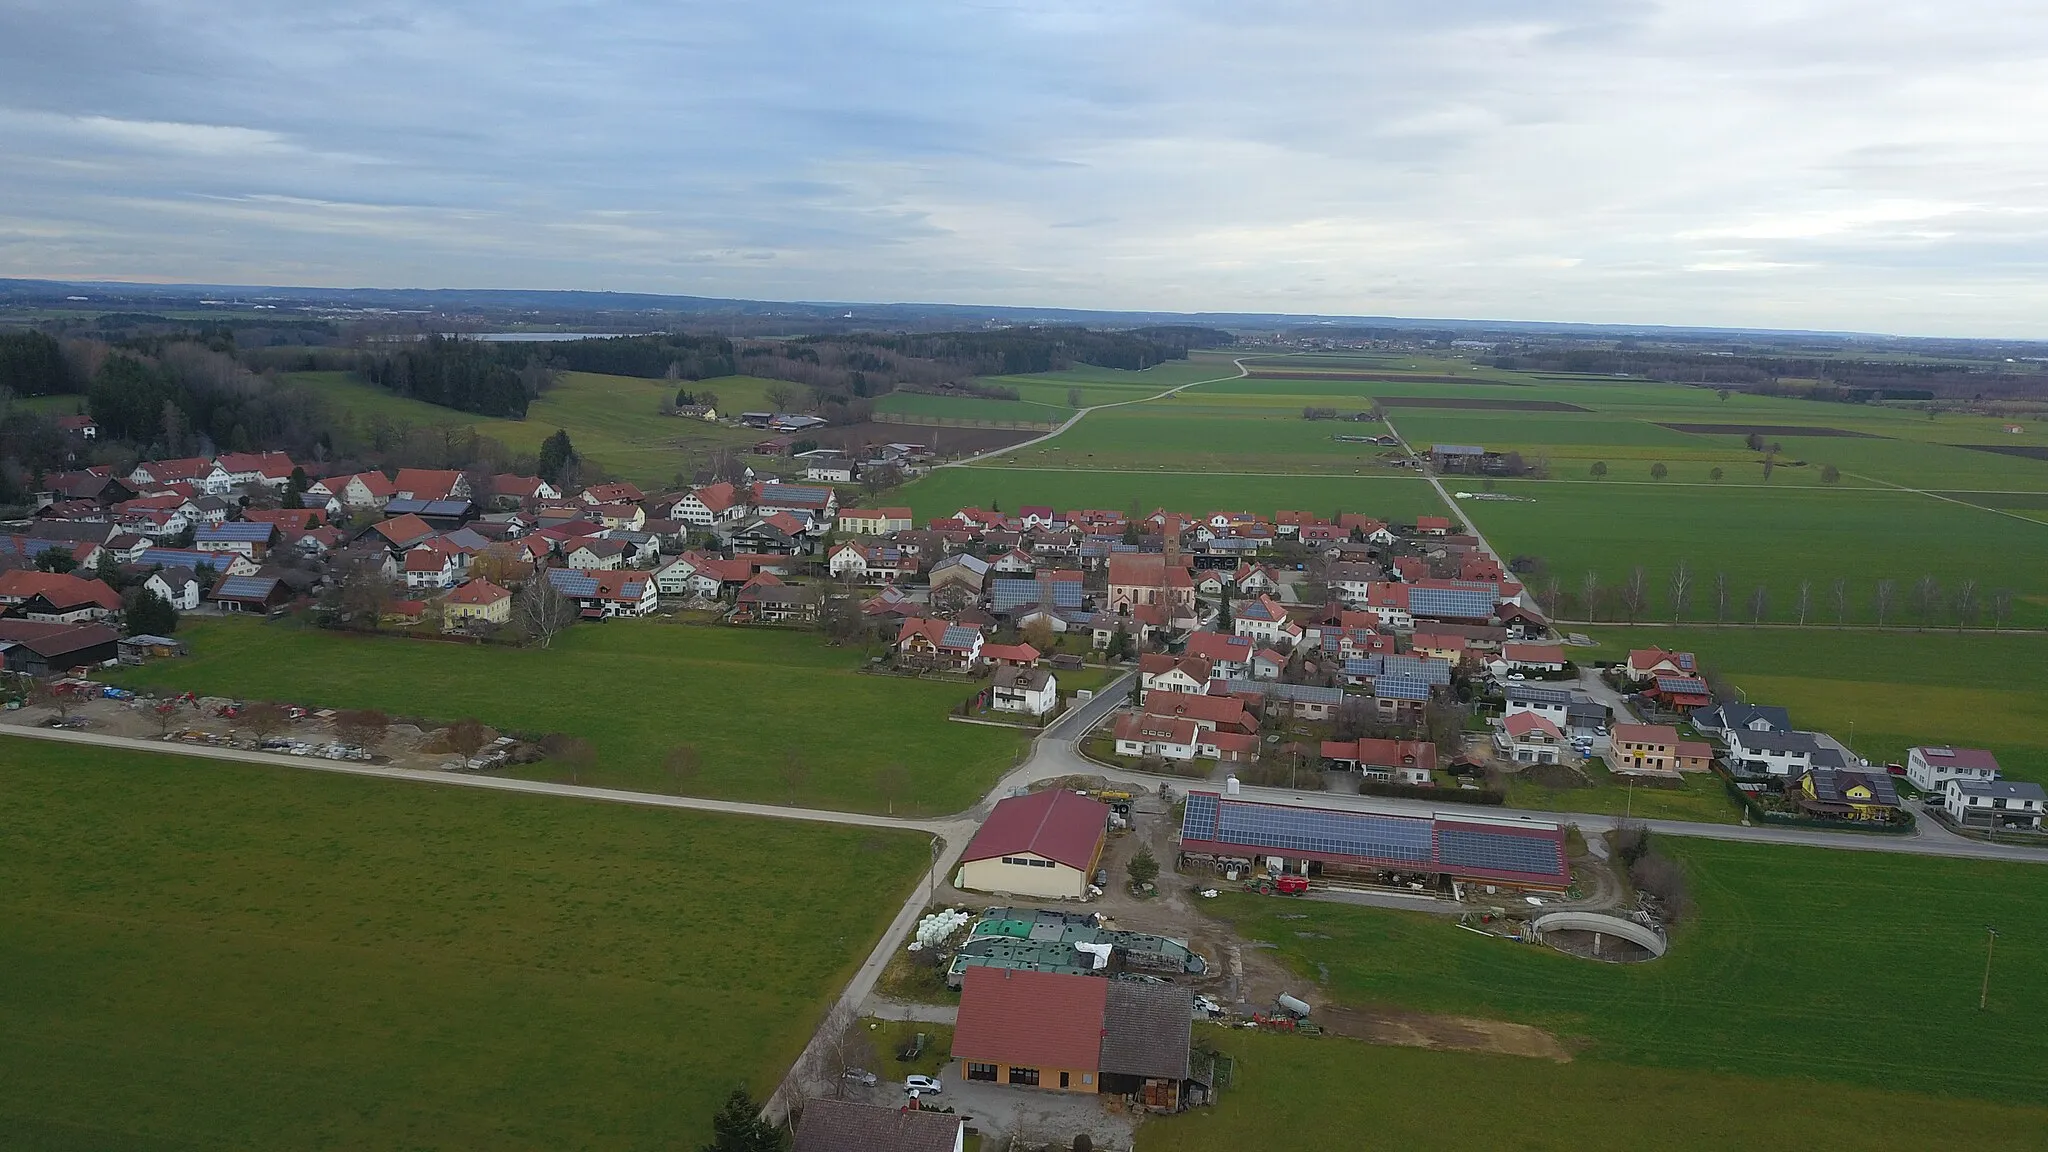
[923, 1084]
[861, 1077]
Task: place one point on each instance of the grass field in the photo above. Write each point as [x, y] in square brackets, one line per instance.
[947, 490]
[1801, 963]
[213, 956]
[1882, 691]
[1699, 796]
[1339, 1095]
[745, 698]
[614, 421]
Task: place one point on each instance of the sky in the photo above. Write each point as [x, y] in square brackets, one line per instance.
[1875, 166]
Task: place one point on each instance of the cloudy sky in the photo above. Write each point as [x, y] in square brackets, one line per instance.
[1873, 165]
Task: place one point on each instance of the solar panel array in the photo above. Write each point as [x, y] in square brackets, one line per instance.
[573, 583]
[770, 493]
[1684, 685]
[1319, 830]
[178, 557]
[1423, 668]
[1199, 821]
[958, 637]
[1477, 848]
[1464, 603]
[253, 587]
[235, 530]
[1399, 688]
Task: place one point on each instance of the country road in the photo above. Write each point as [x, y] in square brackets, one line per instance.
[1240, 374]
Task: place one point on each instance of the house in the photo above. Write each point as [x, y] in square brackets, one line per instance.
[1208, 712]
[179, 586]
[1785, 755]
[871, 563]
[1174, 674]
[269, 469]
[1930, 769]
[605, 555]
[695, 412]
[244, 537]
[767, 600]
[846, 1126]
[1408, 762]
[615, 493]
[1045, 844]
[602, 594]
[1229, 656]
[1996, 804]
[1010, 655]
[511, 490]
[42, 647]
[1438, 646]
[476, 602]
[1846, 794]
[829, 470]
[1265, 621]
[1646, 664]
[1533, 657]
[810, 502]
[82, 427]
[1167, 737]
[58, 598]
[401, 532]
[874, 521]
[430, 484]
[248, 593]
[360, 491]
[1552, 704]
[1718, 719]
[1301, 701]
[1643, 750]
[1267, 664]
[1027, 691]
[432, 565]
[1527, 738]
[961, 571]
[937, 643]
[708, 504]
[1432, 526]
[1015, 562]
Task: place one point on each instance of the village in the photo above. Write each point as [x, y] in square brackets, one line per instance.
[1198, 663]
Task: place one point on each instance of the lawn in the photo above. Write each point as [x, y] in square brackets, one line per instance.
[1850, 967]
[1340, 1095]
[746, 699]
[1883, 692]
[211, 956]
[972, 408]
[947, 490]
[1699, 796]
[614, 421]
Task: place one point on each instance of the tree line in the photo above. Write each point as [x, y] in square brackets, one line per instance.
[1845, 379]
[1689, 595]
[467, 375]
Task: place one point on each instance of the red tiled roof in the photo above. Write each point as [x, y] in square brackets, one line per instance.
[1165, 729]
[1522, 723]
[1215, 709]
[62, 590]
[426, 483]
[1055, 824]
[1032, 1019]
[1663, 734]
[1534, 653]
[1387, 753]
[1147, 571]
[478, 592]
[1216, 646]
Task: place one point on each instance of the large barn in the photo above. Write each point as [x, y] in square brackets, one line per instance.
[1473, 849]
[1045, 844]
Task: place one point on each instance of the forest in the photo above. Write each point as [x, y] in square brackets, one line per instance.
[1846, 380]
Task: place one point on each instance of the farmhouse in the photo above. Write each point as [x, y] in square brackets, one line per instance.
[40, 648]
[1045, 844]
[603, 594]
[59, 598]
[476, 602]
[1996, 804]
[1208, 712]
[845, 1126]
[248, 593]
[1930, 769]
[1167, 737]
[243, 537]
[938, 644]
[1399, 761]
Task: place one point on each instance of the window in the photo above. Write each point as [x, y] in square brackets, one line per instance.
[1025, 1076]
[986, 1072]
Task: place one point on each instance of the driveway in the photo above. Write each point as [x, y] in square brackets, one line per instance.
[1037, 1116]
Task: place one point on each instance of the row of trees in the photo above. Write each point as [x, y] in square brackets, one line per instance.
[1687, 591]
[1829, 474]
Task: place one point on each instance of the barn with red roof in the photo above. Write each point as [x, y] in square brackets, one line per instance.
[1045, 844]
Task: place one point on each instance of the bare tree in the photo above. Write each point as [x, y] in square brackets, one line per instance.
[1550, 596]
[364, 728]
[683, 765]
[573, 753]
[1720, 597]
[781, 397]
[1966, 603]
[1681, 590]
[893, 782]
[1805, 602]
[1758, 601]
[46, 694]
[1635, 594]
[1589, 595]
[1841, 592]
[1926, 599]
[849, 1047]
[543, 611]
[794, 773]
[165, 714]
[467, 737]
[260, 719]
[2001, 607]
[1881, 600]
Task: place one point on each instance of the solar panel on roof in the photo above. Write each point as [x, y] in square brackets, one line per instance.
[249, 586]
[1460, 602]
[1421, 668]
[1399, 688]
[572, 582]
[1319, 830]
[1199, 820]
[1477, 848]
[1682, 684]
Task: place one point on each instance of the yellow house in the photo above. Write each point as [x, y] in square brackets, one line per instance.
[1845, 794]
[478, 601]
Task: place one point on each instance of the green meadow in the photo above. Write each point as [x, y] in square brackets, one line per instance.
[947, 490]
[749, 700]
[206, 956]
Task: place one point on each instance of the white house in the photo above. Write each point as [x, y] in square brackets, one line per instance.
[1170, 674]
[1994, 804]
[1167, 737]
[708, 505]
[1526, 738]
[1534, 657]
[177, 585]
[1263, 620]
[1787, 755]
[1553, 704]
[1029, 691]
[1930, 769]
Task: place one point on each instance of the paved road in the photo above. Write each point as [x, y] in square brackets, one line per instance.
[1240, 374]
[1445, 495]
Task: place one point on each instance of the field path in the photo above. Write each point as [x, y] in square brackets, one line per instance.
[1240, 374]
[1444, 494]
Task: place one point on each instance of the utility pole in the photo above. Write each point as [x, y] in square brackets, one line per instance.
[1984, 993]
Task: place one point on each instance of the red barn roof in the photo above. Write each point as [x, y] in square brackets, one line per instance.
[1054, 824]
[1033, 1019]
